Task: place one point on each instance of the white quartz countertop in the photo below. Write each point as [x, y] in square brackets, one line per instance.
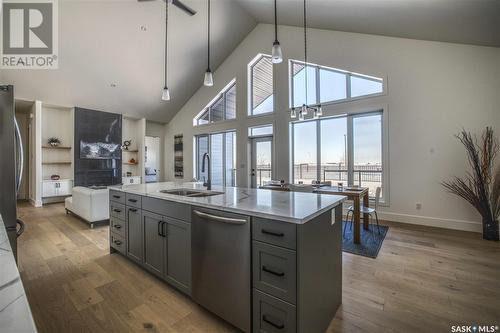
[15, 312]
[293, 207]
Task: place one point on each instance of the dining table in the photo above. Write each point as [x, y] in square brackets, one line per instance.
[354, 193]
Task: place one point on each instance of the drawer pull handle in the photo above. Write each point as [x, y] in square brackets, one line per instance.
[270, 321]
[270, 271]
[133, 210]
[272, 233]
[117, 242]
[117, 210]
[116, 196]
[132, 200]
[117, 226]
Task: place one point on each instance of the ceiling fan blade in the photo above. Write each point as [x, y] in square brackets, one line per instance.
[182, 6]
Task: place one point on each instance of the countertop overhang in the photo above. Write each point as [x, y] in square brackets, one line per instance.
[292, 207]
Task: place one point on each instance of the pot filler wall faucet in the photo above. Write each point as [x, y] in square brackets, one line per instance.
[208, 181]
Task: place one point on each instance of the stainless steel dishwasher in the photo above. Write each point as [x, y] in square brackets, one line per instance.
[221, 259]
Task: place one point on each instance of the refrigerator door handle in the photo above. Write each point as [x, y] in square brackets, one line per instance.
[19, 157]
[21, 227]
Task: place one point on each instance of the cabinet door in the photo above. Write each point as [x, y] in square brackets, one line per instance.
[154, 243]
[178, 260]
[64, 188]
[134, 234]
[49, 189]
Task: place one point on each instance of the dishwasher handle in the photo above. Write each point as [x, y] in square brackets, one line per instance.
[220, 218]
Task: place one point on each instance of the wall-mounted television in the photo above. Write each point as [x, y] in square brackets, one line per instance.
[99, 150]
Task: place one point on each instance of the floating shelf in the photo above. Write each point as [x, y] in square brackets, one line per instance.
[56, 147]
[130, 151]
[54, 163]
[128, 163]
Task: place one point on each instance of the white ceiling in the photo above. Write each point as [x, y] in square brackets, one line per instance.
[458, 21]
[101, 43]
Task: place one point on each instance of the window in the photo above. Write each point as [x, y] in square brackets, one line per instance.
[222, 150]
[326, 85]
[223, 107]
[260, 130]
[338, 137]
[261, 86]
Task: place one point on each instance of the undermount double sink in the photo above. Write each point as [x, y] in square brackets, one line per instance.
[191, 193]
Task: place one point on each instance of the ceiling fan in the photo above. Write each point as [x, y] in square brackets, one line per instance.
[178, 4]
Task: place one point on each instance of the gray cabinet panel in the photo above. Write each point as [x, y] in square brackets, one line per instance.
[117, 226]
[167, 208]
[178, 259]
[274, 232]
[271, 315]
[117, 243]
[154, 243]
[274, 271]
[133, 200]
[134, 234]
[117, 196]
[117, 210]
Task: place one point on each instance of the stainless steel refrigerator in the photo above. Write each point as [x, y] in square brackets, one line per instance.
[11, 165]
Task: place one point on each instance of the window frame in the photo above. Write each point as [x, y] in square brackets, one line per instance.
[250, 128]
[382, 111]
[251, 65]
[348, 76]
[196, 167]
[221, 95]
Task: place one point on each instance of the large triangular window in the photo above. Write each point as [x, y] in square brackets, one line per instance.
[222, 107]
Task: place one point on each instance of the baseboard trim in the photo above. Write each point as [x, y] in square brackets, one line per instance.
[35, 203]
[432, 221]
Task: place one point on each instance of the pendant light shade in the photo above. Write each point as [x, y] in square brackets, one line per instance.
[293, 113]
[209, 77]
[304, 110]
[319, 110]
[165, 94]
[277, 55]
[301, 115]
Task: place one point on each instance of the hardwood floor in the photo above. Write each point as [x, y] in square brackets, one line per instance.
[424, 279]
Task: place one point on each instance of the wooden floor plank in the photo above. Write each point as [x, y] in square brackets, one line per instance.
[424, 279]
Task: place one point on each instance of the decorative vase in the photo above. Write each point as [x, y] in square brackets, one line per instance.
[490, 230]
[54, 144]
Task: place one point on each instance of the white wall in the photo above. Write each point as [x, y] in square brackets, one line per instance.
[35, 170]
[434, 89]
[158, 130]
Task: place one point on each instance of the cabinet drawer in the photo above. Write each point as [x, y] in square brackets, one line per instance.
[117, 226]
[167, 208]
[117, 210]
[133, 200]
[117, 196]
[117, 242]
[275, 271]
[271, 315]
[274, 232]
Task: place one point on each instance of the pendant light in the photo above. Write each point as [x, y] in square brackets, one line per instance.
[277, 55]
[166, 93]
[303, 110]
[209, 77]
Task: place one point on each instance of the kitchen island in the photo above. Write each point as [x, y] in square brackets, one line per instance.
[265, 261]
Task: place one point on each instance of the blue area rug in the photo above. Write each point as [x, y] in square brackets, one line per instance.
[371, 240]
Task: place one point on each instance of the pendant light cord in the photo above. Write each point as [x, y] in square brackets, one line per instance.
[305, 47]
[275, 21]
[166, 41]
[208, 57]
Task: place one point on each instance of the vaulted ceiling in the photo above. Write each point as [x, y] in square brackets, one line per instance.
[111, 52]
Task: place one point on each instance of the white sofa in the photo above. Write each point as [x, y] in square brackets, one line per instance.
[92, 205]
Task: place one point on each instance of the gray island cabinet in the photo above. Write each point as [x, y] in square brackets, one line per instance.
[295, 263]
